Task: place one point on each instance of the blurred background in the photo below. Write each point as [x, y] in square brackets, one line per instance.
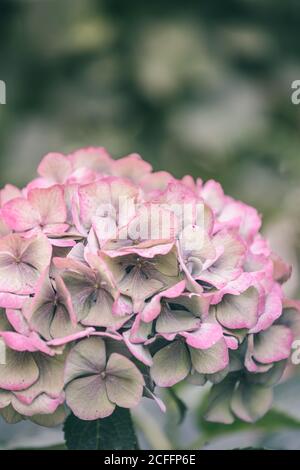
[195, 87]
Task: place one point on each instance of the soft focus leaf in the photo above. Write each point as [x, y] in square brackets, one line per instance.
[54, 447]
[180, 405]
[287, 398]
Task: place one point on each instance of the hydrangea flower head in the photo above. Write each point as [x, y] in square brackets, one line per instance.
[115, 280]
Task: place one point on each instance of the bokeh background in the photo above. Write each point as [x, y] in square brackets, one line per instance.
[197, 87]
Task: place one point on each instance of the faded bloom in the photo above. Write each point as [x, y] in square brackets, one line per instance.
[115, 279]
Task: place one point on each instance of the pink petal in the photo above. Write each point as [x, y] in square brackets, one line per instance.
[43, 404]
[138, 351]
[273, 345]
[231, 342]
[55, 167]
[154, 182]
[92, 158]
[94, 199]
[18, 321]
[205, 337]
[152, 309]
[157, 400]
[63, 242]
[9, 192]
[22, 343]
[49, 204]
[272, 311]
[19, 215]
[70, 338]
[132, 166]
[245, 218]
[108, 334]
[14, 301]
[282, 270]
[213, 194]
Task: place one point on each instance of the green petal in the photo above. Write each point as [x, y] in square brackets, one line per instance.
[100, 312]
[271, 377]
[51, 378]
[211, 360]
[124, 382]
[81, 288]
[61, 324]
[218, 376]
[251, 402]
[5, 398]
[196, 379]
[41, 319]
[87, 398]
[167, 264]
[175, 321]
[238, 311]
[51, 420]
[139, 287]
[272, 345]
[171, 364]
[19, 372]
[10, 415]
[88, 357]
[218, 407]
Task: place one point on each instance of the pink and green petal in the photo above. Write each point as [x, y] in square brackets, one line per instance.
[272, 310]
[10, 415]
[55, 167]
[49, 203]
[251, 402]
[137, 350]
[206, 336]
[89, 390]
[273, 345]
[52, 419]
[88, 357]
[218, 409]
[238, 311]
[19, 372]
[124, 382]
[176, 321]
[211, 360]
[43, 404]
[171, 364]
[50, 381]
[152, 309]
[20, 215]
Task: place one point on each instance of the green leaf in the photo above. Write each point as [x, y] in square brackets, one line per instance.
[181, 406]
[116, 432]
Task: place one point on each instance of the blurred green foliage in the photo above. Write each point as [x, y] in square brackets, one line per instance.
[195, 87]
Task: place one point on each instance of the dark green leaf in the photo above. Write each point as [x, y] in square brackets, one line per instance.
[115, 432]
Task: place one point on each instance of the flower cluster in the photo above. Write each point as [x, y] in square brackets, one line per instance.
[100, 303]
